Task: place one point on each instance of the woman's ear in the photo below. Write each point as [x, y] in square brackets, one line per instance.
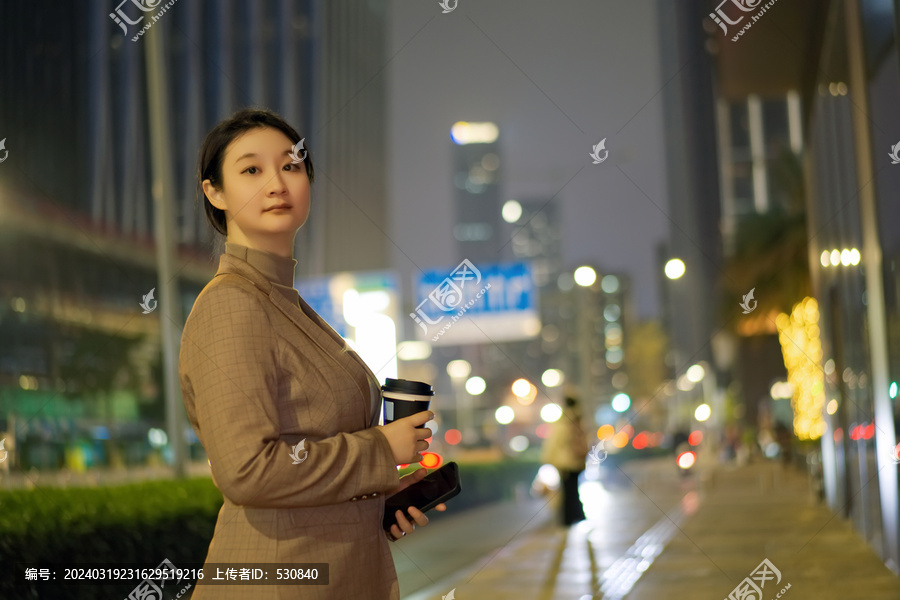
[213, 194]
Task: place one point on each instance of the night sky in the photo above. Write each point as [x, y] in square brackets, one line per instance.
[556, 78]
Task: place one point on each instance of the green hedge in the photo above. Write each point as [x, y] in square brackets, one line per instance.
[141, 524]
[136, 524]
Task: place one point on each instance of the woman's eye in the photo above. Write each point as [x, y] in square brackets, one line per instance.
[251, 170]
[291, 166]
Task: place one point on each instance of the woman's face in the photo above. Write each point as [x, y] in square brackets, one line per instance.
[264, 195]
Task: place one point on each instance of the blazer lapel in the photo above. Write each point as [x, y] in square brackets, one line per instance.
[315, 328]
[374, 391]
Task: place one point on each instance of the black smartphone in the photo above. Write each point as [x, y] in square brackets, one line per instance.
[438, 486]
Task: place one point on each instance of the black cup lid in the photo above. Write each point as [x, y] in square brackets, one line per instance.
[404, 386]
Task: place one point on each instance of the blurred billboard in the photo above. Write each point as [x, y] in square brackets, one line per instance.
[476, 304]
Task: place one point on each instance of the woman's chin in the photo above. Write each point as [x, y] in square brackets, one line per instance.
[285, 227]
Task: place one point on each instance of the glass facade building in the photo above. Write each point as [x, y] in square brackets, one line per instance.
[854, 256]
[78, 365]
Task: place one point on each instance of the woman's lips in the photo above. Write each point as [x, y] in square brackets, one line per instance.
[278, 206]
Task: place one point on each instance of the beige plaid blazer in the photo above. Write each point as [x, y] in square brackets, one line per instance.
[258, 375]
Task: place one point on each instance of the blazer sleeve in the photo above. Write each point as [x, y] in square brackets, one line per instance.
[229, 374]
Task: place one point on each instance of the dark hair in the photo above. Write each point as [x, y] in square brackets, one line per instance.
[212, 154]
[573, 407]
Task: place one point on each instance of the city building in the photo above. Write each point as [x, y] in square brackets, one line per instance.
[830, 89]
[81, 364]
[854, 253]
[689, 301]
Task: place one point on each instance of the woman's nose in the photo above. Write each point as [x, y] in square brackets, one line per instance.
[276, 185]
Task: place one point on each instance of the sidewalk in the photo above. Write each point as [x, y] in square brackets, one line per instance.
[758, 512]
[702, 548]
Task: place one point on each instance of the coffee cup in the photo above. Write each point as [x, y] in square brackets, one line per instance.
[404, 398]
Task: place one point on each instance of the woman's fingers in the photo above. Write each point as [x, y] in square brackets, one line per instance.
[396, 533]
[403, 526]
[418, 516]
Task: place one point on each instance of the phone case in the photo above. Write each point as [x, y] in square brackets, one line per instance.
[400, 502]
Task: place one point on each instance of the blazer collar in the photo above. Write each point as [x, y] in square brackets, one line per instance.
[308, 321]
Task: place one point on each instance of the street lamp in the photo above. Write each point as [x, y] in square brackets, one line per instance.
[504, 415]
[585, 276]
[476, 385]
[524, 392]
[695, 373]
[674, 268]
[458, 369]
[511, 211]
[551, 412]
[702, 413]
[552, 377]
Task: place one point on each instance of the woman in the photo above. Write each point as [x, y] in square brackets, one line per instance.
[566, 449]
[286, 411]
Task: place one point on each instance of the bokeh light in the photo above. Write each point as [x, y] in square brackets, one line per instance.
[504, 415]
[511, 211]
[620, 440]
[621, 402]
[551, 412]
[453, 436]
[801, 348]
[431, 460]
[674, 268]
[459, 369]
[640, 441]
[585, 276]
[695, 373]
[609, 284]
[686, 460]
[703, 412]
[552, 377]
[475, 385]
[518, 443]
[605, 432]
[521, 387]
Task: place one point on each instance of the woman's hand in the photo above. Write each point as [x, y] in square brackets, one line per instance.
[403, 525]
[406, 441]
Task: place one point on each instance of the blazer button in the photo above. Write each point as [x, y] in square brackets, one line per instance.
[364, 497]
[354, 498]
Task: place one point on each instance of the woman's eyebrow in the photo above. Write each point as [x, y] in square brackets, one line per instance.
[243, 156]
[254, 155]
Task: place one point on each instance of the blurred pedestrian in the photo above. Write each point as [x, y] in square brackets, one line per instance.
[784, 437]
[287, 413]
[680, 440]
[749, 445]
[730, 441]
[566, 448]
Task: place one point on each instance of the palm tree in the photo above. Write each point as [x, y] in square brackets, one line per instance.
[770, 252]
